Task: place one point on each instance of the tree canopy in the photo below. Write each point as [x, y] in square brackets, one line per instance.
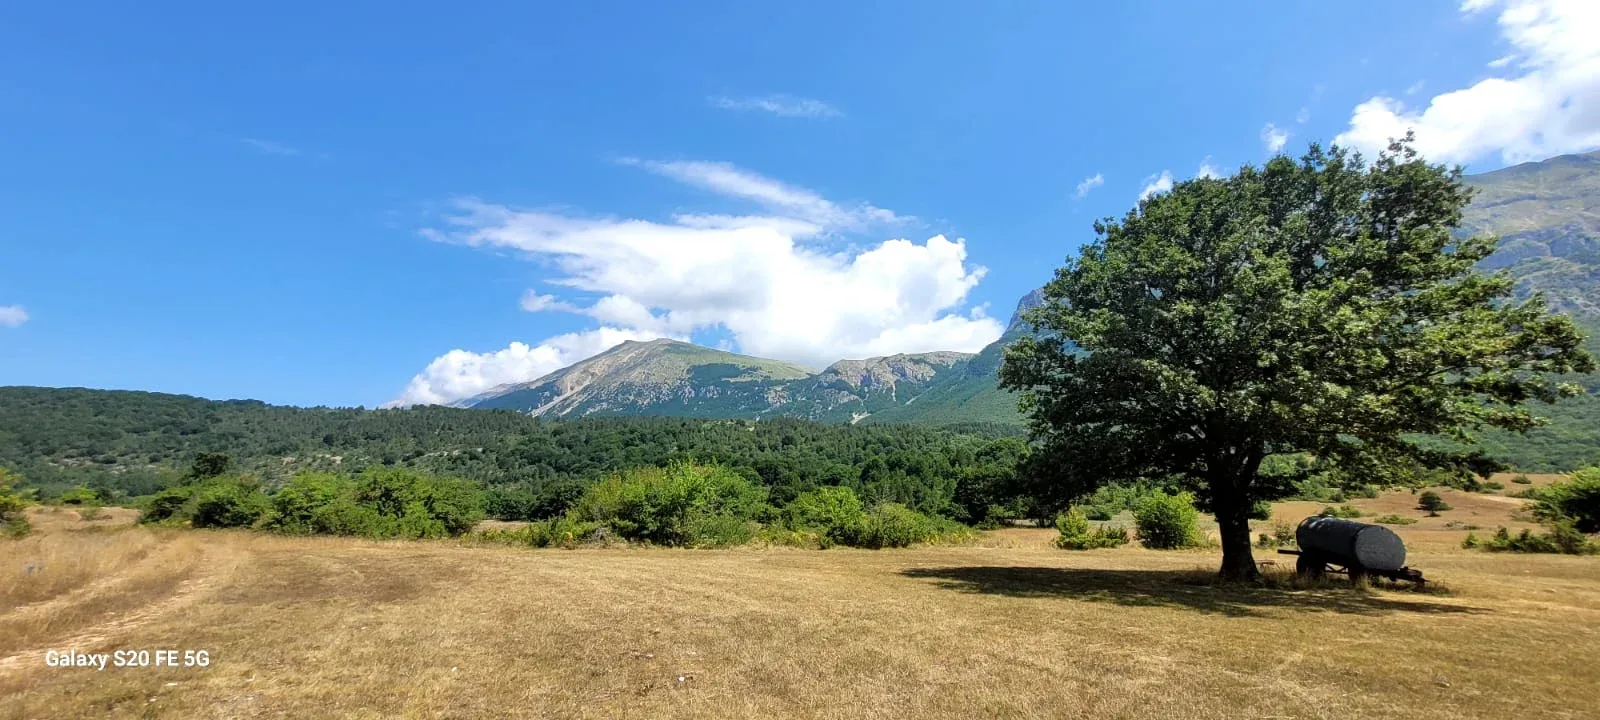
[1324, 306]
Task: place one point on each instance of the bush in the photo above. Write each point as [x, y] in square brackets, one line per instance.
[680, 505]
[1343, 511]
[1562, 538]
[895, 525]
[1492, 486]
[1430, 501]
[1282, 535]
[1575, 501]
[1260, 510]
[1078, 534]
[1521, 480]
[167, 505]
[13, 519]
[1395, 520]
[1167, 521]
[377, 503]
[227, 504]
[79, 496]
[834, 513]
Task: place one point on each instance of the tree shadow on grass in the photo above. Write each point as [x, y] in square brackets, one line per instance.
[1193, 590]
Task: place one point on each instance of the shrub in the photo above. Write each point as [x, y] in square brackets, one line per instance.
[1261, 510]
[13, 520]
[1395, 520]
[1562, 538]
[378, 503]
[1492, 486]
[1521, 480]
[834, 513]
[1282, 535]
[167, 505]
[228, 503]
[1077, 534]
[423, 505]
[895, 525]
[1575, 501]
[1343, 511]
[79, 496]
[680, 505]
[1430, 501]
[1167, 521]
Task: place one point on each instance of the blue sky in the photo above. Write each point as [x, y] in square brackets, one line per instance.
[354, 203]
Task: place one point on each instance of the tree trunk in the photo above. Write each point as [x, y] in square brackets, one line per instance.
[1238, 562]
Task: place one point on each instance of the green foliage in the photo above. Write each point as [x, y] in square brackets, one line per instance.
[78, 496]
[1521, 480]
[679, 505]
[1491, 486]
[891, 525]
[13, 520]
[1432, 502]
[1167, 521]
[1575, 501]
[1261, 510]
[1347, 512]
[1562, 538]
[228, 503]
[209, 465]
[129, 444]
[1282, 536]
[835, 514]
[1077, 534]
[1322, 307]
[1394, 520]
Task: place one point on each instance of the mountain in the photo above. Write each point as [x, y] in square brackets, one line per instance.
[1547, 215]
[668, 377]
[659, 377]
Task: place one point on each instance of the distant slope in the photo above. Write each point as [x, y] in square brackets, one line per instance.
[660, 377]
[1547, 215]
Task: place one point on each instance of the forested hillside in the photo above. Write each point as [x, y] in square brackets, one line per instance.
[132, 443]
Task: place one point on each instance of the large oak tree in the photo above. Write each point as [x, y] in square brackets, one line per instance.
[1323, 307]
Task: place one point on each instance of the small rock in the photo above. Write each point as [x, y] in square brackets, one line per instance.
[1441, 682]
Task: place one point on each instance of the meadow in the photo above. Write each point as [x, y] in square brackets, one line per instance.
[1006, 626]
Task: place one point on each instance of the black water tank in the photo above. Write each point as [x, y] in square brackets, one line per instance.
[1347, 542]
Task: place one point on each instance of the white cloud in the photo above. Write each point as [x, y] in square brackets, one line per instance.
[780, 105]
[1090, 183]
[461, 374]
[1550, 106]
[791, 203]
[1156, 184]
[764, 279]
[267, 147]
[1207, 170]
[12, 316]
[1274, 137]
[1303, 116]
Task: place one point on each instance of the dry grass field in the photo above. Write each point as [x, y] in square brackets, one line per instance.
[1007, 628]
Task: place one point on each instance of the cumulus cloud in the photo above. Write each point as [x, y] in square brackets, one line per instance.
[1548, 104]
[1207, 170]
[1274, 137]
[1090, 183]
[770, 280]
[1156, 184]
[780, 105]
[12, 316]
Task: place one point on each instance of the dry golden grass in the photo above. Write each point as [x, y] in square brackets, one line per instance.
[1007, 628]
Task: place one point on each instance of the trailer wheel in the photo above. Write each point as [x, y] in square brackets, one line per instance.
[1311, 566]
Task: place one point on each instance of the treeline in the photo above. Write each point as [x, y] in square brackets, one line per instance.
[680, 505]
[133, 444]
